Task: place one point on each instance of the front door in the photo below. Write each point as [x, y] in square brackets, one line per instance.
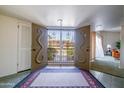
[82, 47]
[39, 46]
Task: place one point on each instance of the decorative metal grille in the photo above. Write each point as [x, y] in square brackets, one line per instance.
[60, 46]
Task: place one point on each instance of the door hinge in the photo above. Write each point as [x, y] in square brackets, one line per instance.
[17, 64]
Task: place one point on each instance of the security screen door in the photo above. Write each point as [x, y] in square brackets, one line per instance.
[60, 46]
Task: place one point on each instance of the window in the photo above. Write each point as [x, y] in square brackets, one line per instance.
[60, 46]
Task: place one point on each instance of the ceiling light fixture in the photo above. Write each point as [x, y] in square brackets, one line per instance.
[98, 28]
[60, 22]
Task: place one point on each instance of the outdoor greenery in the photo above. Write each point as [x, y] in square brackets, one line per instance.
[69, 50]
[118, 44]
[51, 53]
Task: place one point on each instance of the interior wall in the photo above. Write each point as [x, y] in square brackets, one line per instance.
[122, 47]
[109, 38]
[8, 45]
[92, 46]
[122, 42]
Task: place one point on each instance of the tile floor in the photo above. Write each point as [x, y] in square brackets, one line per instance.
[12, 80]
[109, 81]
[109, 61]
[109, 65]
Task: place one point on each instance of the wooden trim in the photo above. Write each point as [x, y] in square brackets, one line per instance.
[40, 26]
[93, 45]
[82, 27]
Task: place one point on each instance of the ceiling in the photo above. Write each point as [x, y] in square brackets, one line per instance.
[108, 17]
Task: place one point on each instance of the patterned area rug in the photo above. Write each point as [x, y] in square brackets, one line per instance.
[60, 77]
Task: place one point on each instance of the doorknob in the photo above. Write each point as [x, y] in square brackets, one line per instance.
[87, 49]
[33, 49]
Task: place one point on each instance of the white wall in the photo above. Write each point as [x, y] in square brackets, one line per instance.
[8, 45]
[110, 38]
[122, 42]
[122, 48]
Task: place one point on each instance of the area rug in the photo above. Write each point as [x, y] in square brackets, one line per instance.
[60, 78]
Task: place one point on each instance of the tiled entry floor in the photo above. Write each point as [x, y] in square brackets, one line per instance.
[60, 77]
[11, 80]
[108, 80]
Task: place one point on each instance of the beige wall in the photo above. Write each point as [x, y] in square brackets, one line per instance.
[110, 38]
[8, 45]
[92, 46]
[122, 42]
[122, 48]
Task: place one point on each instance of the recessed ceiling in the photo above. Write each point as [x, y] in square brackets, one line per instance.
[72, 16]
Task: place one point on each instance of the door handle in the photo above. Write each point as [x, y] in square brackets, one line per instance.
[33, 49]
[87, 49]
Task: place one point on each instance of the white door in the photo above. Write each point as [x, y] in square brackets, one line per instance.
[24, 46]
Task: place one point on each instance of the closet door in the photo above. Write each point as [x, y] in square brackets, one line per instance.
[24, 46]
